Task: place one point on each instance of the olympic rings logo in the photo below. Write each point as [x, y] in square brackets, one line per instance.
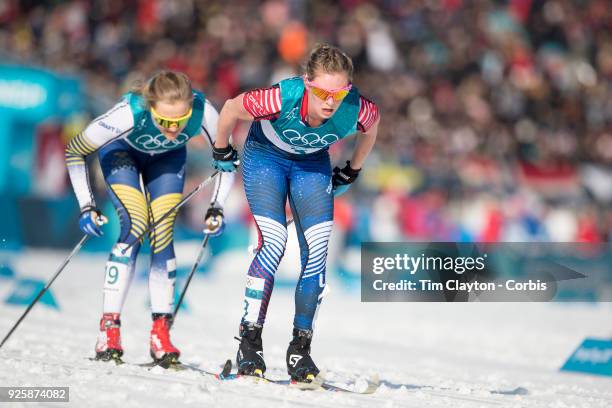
[309, 139]
[160, 141]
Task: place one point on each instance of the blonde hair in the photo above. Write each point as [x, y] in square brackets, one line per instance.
[327, 58]
[167, 86]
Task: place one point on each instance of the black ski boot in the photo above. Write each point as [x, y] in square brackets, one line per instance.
[250, 358]
[299, 363]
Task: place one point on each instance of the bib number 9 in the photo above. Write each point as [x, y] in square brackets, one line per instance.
[112, 275]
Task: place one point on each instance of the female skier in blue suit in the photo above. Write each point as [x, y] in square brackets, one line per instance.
[286, 157]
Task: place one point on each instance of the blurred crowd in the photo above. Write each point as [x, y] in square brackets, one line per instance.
[496, 115]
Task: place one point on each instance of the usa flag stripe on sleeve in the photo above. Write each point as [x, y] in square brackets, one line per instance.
[368, 114]
[263, 103]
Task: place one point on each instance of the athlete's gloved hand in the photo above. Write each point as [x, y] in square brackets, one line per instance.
[214, 222]
[91, 220]
[225, 159]
[343, 178]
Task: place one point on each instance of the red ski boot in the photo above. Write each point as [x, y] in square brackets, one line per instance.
[162, 350]
[108, 346]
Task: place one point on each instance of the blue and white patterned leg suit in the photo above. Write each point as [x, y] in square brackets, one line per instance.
[271, 177]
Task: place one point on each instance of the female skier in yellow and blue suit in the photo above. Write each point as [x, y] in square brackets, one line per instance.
[142, 144]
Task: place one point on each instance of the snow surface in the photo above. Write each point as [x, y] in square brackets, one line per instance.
[426, 354]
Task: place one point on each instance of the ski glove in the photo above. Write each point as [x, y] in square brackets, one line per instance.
[91, 220]
[343, 178]
[214, 222]
[225, 159]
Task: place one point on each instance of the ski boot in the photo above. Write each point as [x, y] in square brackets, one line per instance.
[108, 346]
[162, 350]
[250, 358]
[300, 366]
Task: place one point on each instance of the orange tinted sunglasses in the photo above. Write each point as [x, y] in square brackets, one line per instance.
[324, 94]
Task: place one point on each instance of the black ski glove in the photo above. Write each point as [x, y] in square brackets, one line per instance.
[225, 159]
[343, 178]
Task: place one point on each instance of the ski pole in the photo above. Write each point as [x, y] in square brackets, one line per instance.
[170, 211]
[193, 269]
[76, 249]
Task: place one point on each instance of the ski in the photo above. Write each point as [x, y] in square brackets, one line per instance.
[315, 384]
[318, 383]
[179, 366]
[173, 366]
[372, 385]
[116, 359]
